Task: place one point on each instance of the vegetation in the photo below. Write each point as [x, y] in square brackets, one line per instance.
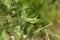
[29, 20]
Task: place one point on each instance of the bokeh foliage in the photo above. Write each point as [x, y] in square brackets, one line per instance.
[27, 19]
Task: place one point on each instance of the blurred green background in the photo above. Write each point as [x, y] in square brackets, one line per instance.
[29, 19]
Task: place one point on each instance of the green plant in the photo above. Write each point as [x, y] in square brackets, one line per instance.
[26, 19]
